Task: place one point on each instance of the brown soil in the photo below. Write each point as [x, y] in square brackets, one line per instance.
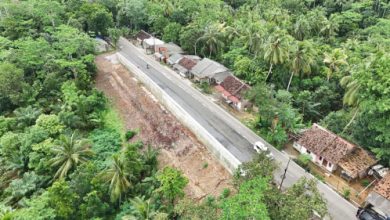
[158, 127]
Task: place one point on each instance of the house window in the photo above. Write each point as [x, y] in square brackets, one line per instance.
[320, 158]
[308, 151]
[329, 164]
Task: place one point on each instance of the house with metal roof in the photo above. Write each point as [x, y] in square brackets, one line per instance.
[151, 44]
[209, 71]
[174, 58]
[379, 198]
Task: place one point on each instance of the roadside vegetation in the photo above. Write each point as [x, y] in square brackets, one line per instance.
[63, 153]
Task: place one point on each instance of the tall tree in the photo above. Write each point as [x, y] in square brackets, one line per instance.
[276, 49]
[302, 59]
[119, 177]
[335, 60]
[69, 153]
[212, 38]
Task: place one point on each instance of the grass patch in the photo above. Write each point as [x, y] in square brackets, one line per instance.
[112, 120]
[205, 87]
[130, 134]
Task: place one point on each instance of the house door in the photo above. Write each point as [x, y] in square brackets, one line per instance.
[324, 162]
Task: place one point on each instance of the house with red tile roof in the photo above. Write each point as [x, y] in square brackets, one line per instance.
[141, 36]
[331, 151]
[233, 90]
[186, 64]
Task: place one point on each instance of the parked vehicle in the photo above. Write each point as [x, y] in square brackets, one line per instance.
[378, 171]
[260, 147]
[369, 214]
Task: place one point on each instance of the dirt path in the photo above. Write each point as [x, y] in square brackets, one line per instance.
[178, 146]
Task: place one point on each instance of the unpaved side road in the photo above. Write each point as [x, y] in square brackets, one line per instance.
[157, 126]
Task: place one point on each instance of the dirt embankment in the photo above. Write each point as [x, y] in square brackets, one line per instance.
[178, 146]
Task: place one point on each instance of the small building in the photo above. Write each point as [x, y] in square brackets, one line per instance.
[141, 36]
[174, 58]
[331, 152]
[185, 64]
[168, 49]
[232, 90]
[356, 164]
[150, 44]
[209, 71]
[379, 198]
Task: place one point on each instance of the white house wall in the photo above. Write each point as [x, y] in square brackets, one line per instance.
[315, 158]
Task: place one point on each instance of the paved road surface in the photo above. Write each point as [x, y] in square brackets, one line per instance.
[232, 134]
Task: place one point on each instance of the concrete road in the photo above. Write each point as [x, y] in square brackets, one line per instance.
[230, 132]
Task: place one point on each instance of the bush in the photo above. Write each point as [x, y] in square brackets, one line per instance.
[130, 134]
[303, 160]
[365, 182]
[346, 193]
[225, 193]
[205, 87]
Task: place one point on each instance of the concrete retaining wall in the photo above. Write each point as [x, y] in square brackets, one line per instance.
[224, 156]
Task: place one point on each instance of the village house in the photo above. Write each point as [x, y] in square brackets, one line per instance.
[209, 71]
[168, 49]
[331, 152]
[174, 58]
[186, 64]
[151, 44]
[379, 197]
[232, 90]
[141, 36]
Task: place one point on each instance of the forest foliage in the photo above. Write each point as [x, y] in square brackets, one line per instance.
[63, 153]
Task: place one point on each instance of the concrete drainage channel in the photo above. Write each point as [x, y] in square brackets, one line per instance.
[219, 151]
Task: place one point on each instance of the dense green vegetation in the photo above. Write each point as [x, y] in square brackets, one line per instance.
[64, 153]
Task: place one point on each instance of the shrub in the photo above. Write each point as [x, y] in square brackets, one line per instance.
[205, 87]
[346, 193]
[365, 182]
[130, 134]
[205, 165]
[225, 193]
[304, 160]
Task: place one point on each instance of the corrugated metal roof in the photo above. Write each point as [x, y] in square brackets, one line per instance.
[207, 68]
[379, 202]
[153, 41]
[175, 58]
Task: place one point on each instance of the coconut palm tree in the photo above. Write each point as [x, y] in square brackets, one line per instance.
[302, 59]
[301, 27]
[212, 38]
[69, 153]
[144, 210]
[329, 28]
[276, 49]
[119, 177]
[334, 61]
[252, 35]
[351, 96]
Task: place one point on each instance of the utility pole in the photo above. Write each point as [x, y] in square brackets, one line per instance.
[284, 174]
